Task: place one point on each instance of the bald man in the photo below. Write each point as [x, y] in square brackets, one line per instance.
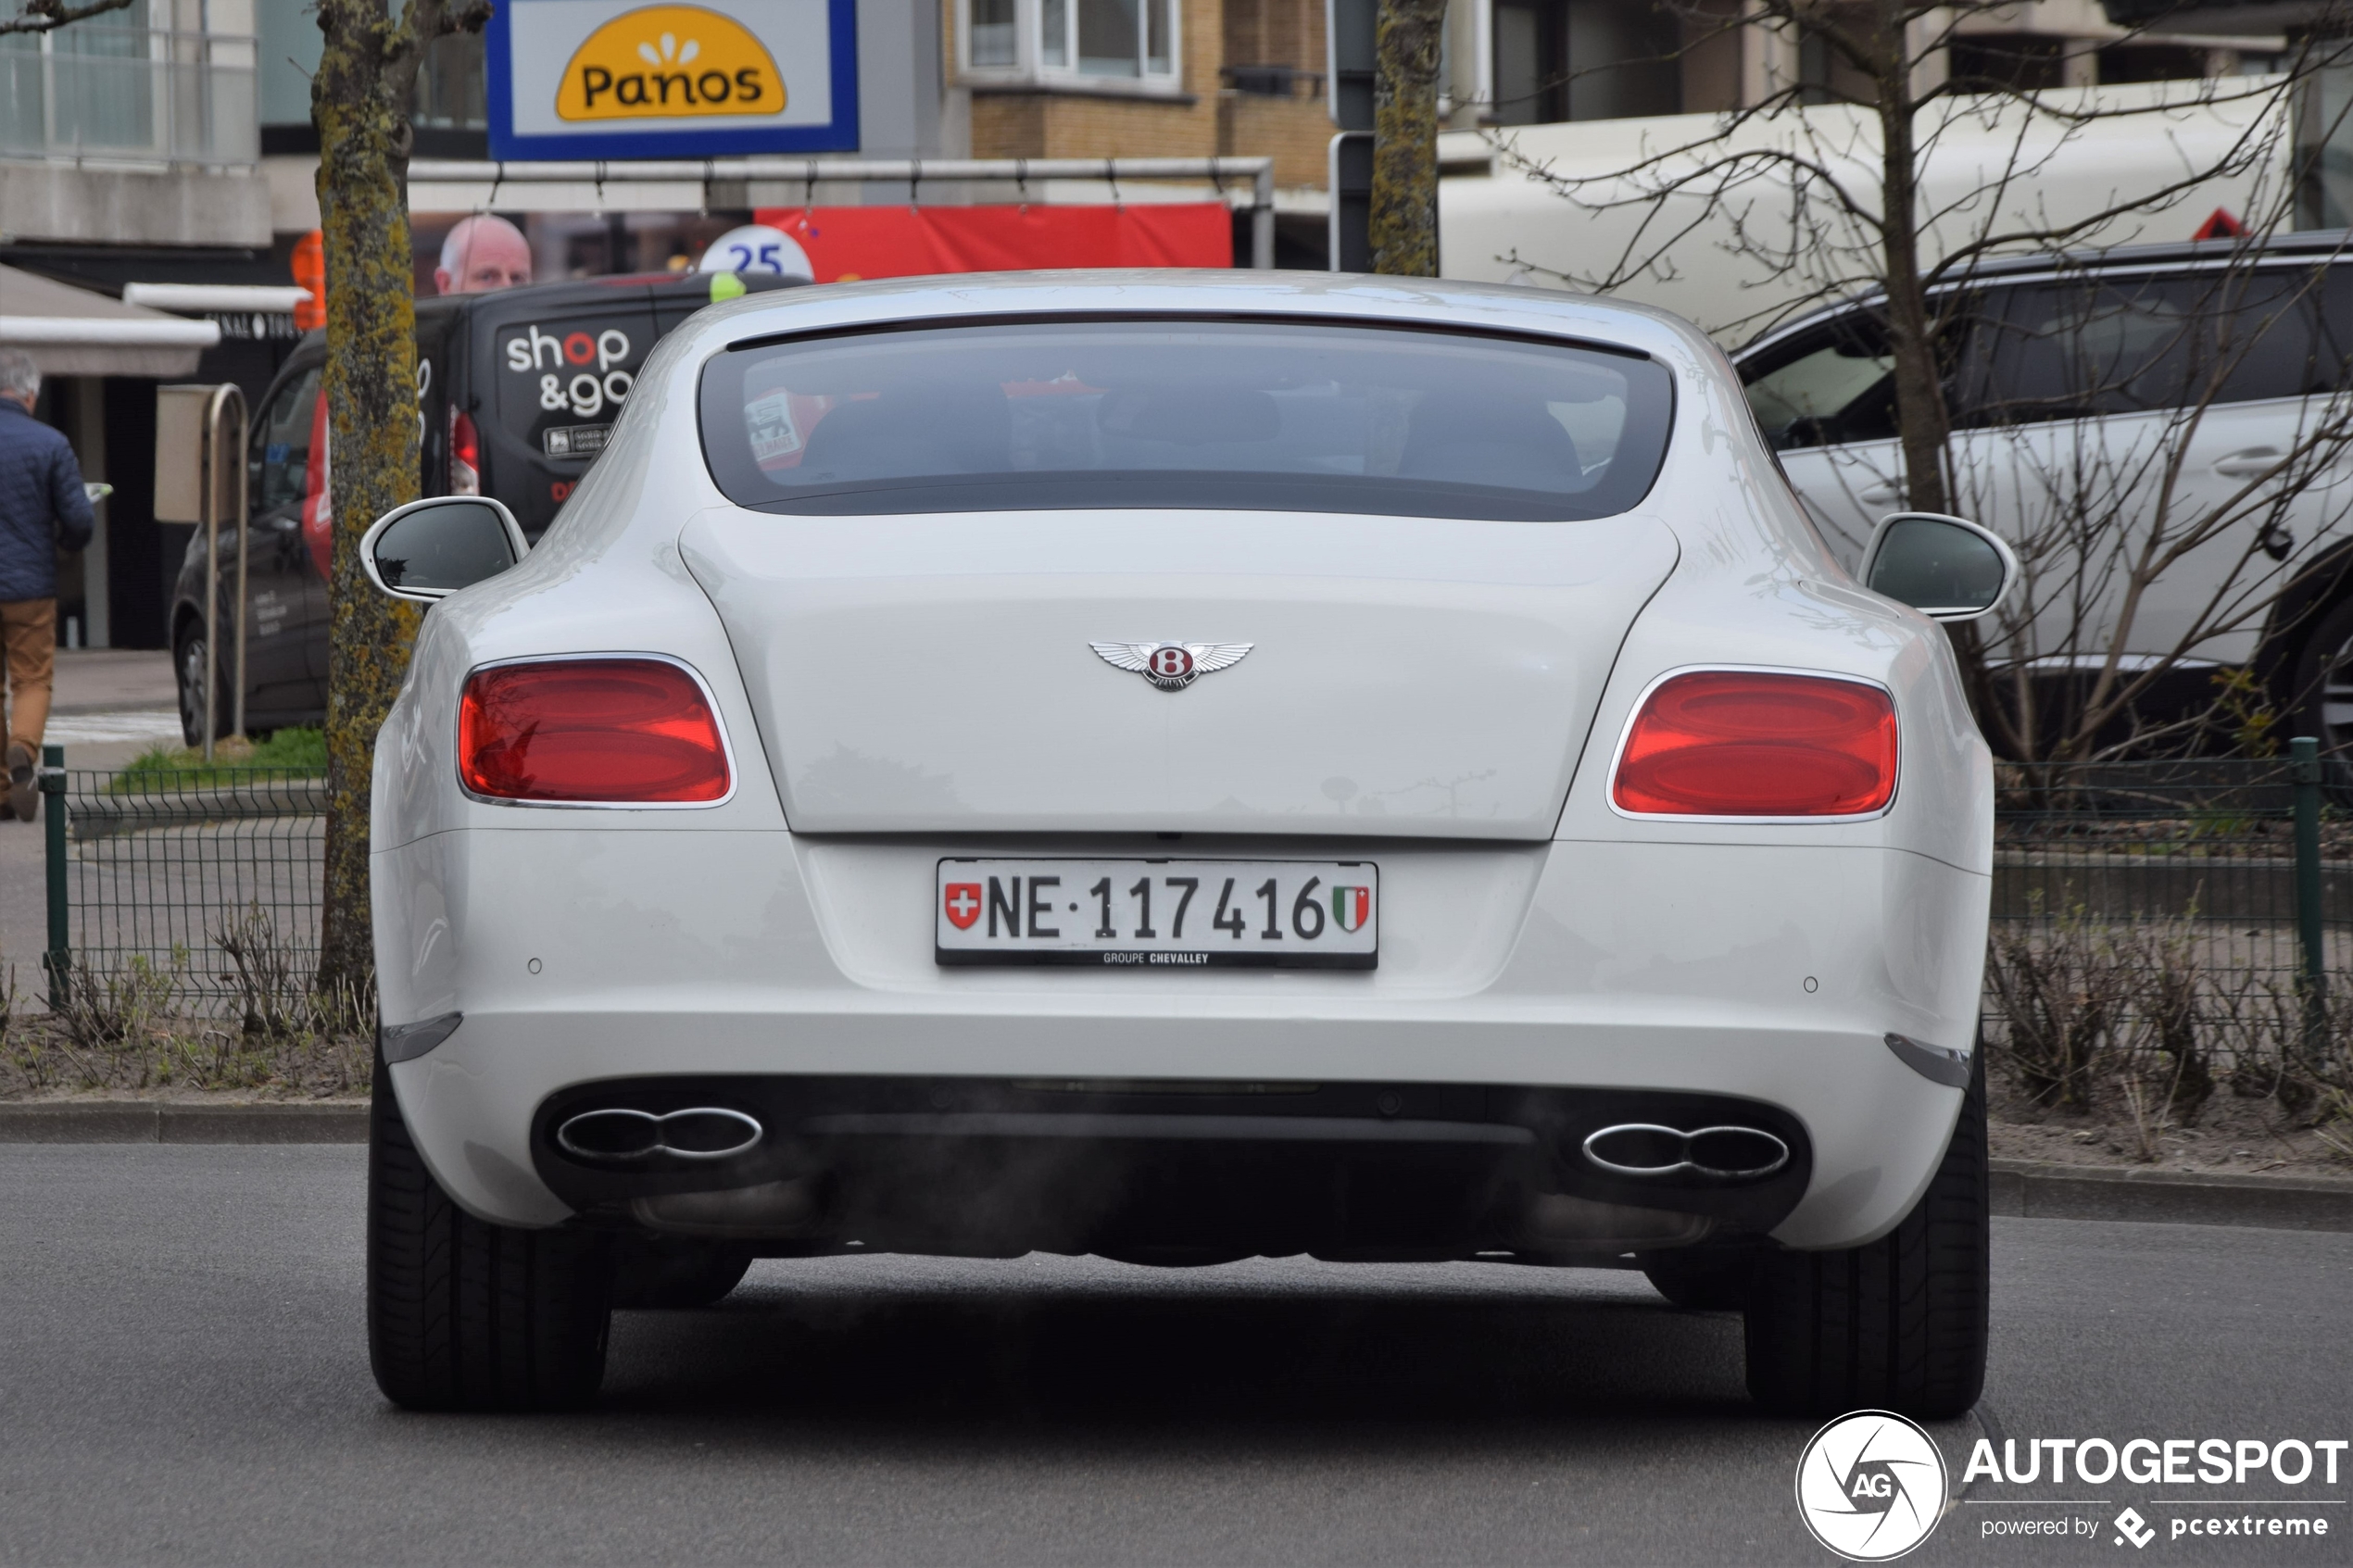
[482, 253]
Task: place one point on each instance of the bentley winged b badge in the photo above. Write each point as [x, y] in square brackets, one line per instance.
[1172, 666]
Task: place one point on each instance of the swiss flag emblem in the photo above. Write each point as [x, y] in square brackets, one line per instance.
[962, 901]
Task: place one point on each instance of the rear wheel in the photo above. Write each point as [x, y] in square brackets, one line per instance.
[466, 1315]
[2325, 690]
[664, 1274]
[1898, 1324]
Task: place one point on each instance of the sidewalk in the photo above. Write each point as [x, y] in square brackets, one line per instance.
[114, 681]
[110, 705]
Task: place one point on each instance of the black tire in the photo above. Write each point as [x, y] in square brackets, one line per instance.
[1898, 1324]
[466, 1315]
[187, 666]
[2326, 662]
[1703, 1282]
[670, 1274]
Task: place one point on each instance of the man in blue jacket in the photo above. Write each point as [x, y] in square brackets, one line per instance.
[41, 507]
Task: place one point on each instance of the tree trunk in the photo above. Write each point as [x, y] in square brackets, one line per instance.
[1404, 212]
[359, 101]
[1922, 418]
[1920, 413]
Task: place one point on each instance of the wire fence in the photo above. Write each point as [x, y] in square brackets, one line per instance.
[2241, 863]
[198, 886]
[2243, 857]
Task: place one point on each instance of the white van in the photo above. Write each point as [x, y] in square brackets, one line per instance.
[1509, 226]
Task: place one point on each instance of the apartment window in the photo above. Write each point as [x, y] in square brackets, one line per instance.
[451, 93]
[995, 39]
[1585, 59]
[114, 86]
[2006, 62]
[1044, 40]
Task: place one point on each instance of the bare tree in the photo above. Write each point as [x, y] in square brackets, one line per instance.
[1827, 186]
[361, 99]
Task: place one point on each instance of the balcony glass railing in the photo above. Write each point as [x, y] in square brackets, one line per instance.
[122, 95]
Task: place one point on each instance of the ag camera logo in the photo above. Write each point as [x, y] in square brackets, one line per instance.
[1870, 1486]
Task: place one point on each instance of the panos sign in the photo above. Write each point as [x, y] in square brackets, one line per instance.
[621, 79]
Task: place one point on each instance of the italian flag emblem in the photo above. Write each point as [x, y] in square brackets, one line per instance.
[1351, 907]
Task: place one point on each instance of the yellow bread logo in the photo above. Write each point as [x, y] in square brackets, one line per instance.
[665, 61]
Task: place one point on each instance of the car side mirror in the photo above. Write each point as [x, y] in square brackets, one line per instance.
[429, 549]
[1946, 567]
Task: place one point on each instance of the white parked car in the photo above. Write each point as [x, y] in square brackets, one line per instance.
[1180, 766]
[2191, 393]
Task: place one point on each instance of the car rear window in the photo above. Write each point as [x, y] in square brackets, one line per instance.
[1257, 415]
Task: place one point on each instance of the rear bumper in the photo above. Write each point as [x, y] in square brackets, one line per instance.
[769, 967]
[1169, 1170]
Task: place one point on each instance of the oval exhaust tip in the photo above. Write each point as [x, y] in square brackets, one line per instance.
[624, 1136]
[708, 1132]
[1647, 1151]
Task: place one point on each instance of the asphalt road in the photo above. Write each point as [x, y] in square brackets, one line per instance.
[182, 1379]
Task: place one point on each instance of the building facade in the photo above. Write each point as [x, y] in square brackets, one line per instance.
[1145, 78]
[134, 128]
[1537, 62]
[130, 151]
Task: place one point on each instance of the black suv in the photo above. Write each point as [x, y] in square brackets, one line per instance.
[516, 393]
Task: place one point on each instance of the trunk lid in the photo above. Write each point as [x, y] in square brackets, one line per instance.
[1407, 677]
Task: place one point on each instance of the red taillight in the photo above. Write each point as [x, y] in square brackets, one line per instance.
[465, 455]
[623, 731]
[1729, 743]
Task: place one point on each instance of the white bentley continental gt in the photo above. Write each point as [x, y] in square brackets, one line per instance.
[1181, 767]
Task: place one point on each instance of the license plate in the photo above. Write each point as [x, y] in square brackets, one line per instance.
[1159, 914]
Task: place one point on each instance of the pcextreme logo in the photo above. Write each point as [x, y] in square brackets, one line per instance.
[664, 62]
[1870, 1486]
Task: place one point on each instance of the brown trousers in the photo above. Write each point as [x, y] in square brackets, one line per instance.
[29, 632]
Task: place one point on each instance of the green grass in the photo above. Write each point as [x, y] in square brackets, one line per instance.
[302, 753]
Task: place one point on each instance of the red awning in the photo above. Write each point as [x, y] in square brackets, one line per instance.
[848, 243]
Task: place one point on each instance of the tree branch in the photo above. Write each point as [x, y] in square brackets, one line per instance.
[47, 16]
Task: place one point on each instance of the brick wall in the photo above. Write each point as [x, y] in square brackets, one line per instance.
[1207, 119]
[1030, 124]
[1275, 33]
[1009, 124]
[1296, 131]
[1204, 42]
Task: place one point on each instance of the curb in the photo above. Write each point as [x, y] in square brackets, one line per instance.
[2027, 1189]
[182, 1122]
[2021, 1188]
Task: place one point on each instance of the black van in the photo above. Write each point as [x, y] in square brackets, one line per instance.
[516, 392]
